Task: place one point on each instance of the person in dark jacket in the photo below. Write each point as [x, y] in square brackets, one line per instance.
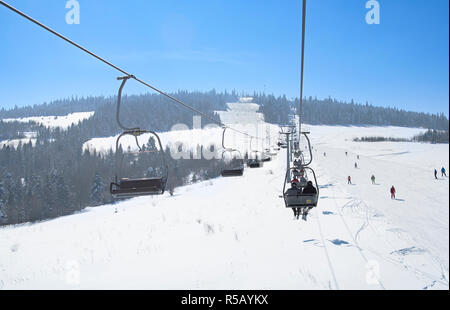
[393, 192]
[309, 189]
[294, 190]
[435, 174]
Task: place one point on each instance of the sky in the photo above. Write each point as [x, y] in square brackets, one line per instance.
[247, 46]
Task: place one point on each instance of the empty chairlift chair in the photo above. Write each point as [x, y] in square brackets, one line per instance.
[233, 163]
[233, 167]
[132, 187]
[255, 160]
[147, 186]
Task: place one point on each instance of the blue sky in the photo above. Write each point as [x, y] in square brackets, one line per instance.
[249, 45]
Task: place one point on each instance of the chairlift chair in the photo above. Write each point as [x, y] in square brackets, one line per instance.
[124, 187]
[256, 160]
[296, 199]
[235, 167]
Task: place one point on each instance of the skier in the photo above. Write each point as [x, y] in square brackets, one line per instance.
[346, 153]
[392, 192]
[356, 165]
[373, 179]
[324, 154]
[357, 157]
[435, 174]
[302, 182]
[310, 189]
[444, 174]
[349, 180]
[294, 190]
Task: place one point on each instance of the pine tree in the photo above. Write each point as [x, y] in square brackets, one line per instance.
[3, 215]
[98, 191]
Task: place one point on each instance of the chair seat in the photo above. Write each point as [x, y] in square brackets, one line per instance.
[300, 200]
[253, 163]
[232, 172]
[127, 188]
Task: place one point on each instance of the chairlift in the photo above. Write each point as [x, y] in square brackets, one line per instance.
[133, 187]
[235, 166]
[255, 159]
[295, 198]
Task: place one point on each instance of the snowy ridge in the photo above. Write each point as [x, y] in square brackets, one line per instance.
[62, 122]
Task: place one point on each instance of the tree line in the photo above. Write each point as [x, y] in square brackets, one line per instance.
[159, 113]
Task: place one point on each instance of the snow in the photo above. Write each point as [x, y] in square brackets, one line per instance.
[62, 122]
[29, 137]
[53, 122]
[190, 139]
[234, 233]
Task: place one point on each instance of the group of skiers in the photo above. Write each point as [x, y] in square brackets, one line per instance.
[443, 173]
[372, 178]
[392, 189]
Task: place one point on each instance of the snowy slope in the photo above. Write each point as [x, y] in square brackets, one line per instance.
[192, 138]
[62, 122]
[235, 233]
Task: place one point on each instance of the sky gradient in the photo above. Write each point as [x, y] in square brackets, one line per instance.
[231, 44]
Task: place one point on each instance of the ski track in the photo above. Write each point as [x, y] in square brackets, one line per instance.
[235, 233]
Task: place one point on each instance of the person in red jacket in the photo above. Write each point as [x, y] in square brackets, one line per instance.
[349, 180]
[392, 192]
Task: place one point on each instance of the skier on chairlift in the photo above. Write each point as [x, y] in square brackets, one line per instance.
[295, 191]
[310, 189]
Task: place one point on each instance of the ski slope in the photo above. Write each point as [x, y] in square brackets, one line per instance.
[234, 233]
[53, 122]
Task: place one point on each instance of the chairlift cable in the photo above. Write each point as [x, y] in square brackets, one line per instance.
[302, 69]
